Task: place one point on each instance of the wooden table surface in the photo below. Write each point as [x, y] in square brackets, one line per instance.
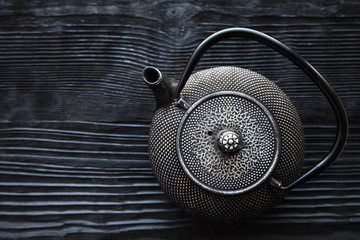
[75, 114]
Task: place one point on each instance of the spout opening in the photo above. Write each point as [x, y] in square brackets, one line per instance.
[152, 75]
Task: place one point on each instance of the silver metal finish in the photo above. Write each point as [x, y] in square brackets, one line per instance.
[228, 141]
[194, 198]
[182, 103]
[207, 121]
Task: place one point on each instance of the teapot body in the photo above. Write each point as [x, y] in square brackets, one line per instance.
[230, 187]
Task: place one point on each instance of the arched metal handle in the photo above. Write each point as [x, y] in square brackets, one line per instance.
[328, 91]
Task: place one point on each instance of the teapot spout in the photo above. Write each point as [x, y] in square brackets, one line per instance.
[163, 88]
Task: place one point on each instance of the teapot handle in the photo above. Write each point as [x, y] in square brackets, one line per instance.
[328, 91]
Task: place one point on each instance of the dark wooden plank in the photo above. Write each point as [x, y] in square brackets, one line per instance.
[75, 114]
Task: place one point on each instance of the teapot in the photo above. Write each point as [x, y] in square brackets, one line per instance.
[226, 143]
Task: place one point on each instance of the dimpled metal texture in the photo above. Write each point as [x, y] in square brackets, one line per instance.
[205, 204]
[210, 167]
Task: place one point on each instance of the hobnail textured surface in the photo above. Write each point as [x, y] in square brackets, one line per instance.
[193, 198]
[220, 117]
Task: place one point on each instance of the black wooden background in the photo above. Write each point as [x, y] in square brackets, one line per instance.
[75, 113]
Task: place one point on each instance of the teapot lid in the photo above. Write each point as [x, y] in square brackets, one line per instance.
[228, 142]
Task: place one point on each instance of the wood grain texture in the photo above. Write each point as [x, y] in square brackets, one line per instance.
[75, 114]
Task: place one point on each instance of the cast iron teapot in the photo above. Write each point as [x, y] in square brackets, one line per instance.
[226, 143]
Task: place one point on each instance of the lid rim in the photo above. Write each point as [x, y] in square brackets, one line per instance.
[251, 186]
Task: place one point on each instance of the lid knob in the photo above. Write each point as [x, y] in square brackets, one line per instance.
[229, 141]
